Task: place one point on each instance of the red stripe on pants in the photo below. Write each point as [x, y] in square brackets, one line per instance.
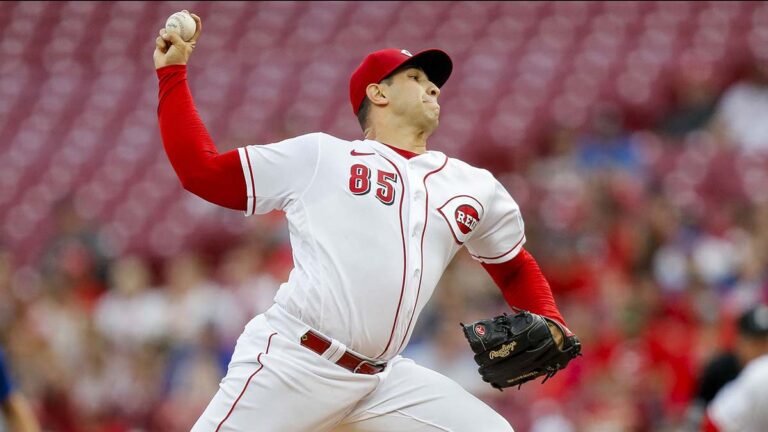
[261, 365]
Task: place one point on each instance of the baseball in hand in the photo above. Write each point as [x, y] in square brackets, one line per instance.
[181, 23]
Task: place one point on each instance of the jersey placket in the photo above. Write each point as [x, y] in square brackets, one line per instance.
[400, 166]
[416, 220]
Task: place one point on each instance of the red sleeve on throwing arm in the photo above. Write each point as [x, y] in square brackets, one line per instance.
[524, 286]
[215, 177]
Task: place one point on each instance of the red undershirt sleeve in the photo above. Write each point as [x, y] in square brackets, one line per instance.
[215, 177]
[524, 286]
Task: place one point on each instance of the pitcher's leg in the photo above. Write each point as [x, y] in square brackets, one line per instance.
[412, 398]
[275, 385]
[232, 389]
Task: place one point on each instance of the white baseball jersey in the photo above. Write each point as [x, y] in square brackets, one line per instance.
[742, 405]
[373, 231]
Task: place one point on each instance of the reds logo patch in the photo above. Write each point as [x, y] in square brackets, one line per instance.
[480, 330]
[466, 218]
[463, 214]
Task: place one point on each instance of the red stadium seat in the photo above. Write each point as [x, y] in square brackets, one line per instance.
[85, 102]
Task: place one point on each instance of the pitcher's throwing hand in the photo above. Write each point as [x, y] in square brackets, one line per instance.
[171, 49]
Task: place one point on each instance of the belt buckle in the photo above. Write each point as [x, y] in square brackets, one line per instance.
[374, 364]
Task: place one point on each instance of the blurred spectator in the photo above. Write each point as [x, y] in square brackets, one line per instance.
[131, 314]
[193, 302]
[741, 405]
[743, 109]
[558, 177]
[243, 270]
[193, 373]
[60, 320]
[14, 408]
[76, 255]
[726, 366]
[694, 98]
[8, 299]
[608, 145]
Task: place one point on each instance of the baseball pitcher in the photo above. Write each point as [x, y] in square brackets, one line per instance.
[373, 224]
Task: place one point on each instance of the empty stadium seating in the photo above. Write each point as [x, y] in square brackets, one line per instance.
[78, 90]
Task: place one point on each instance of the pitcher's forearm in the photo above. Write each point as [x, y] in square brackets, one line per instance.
[185, 138]
[215, 177]
[524, 286]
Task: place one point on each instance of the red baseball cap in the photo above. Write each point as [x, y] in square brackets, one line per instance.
[380, 64]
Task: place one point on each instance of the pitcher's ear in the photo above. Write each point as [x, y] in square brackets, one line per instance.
[376, 94]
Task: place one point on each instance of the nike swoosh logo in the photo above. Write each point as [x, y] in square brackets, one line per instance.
[356, 153]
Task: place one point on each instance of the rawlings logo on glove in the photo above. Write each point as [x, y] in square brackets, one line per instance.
[514, 349]
[503, 351]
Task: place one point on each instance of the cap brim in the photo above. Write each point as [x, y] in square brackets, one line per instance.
[435, 63]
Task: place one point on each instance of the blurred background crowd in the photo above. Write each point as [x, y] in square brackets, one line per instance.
[634, 136]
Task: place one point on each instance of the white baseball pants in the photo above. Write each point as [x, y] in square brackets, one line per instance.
[276, 385]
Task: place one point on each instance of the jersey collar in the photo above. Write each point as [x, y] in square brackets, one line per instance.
[404, 153]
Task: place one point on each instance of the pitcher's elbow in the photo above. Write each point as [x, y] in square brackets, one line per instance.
[191, 183]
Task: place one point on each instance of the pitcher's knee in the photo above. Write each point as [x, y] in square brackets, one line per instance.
[497, 423]
[481, 417]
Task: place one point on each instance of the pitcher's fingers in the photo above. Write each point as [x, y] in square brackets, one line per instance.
[173, 39]
[198, 27]
[161, 44]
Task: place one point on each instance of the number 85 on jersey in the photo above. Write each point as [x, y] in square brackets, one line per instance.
[360, 183]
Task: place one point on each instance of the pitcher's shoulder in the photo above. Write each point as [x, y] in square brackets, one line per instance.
[332, 139]
[467, 169]
[326, 139]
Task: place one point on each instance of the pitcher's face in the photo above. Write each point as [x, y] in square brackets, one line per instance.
[414, 97]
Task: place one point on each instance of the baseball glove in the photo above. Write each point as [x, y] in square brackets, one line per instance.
[514, 349]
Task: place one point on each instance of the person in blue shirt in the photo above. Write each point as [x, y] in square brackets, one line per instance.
[14, 408]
